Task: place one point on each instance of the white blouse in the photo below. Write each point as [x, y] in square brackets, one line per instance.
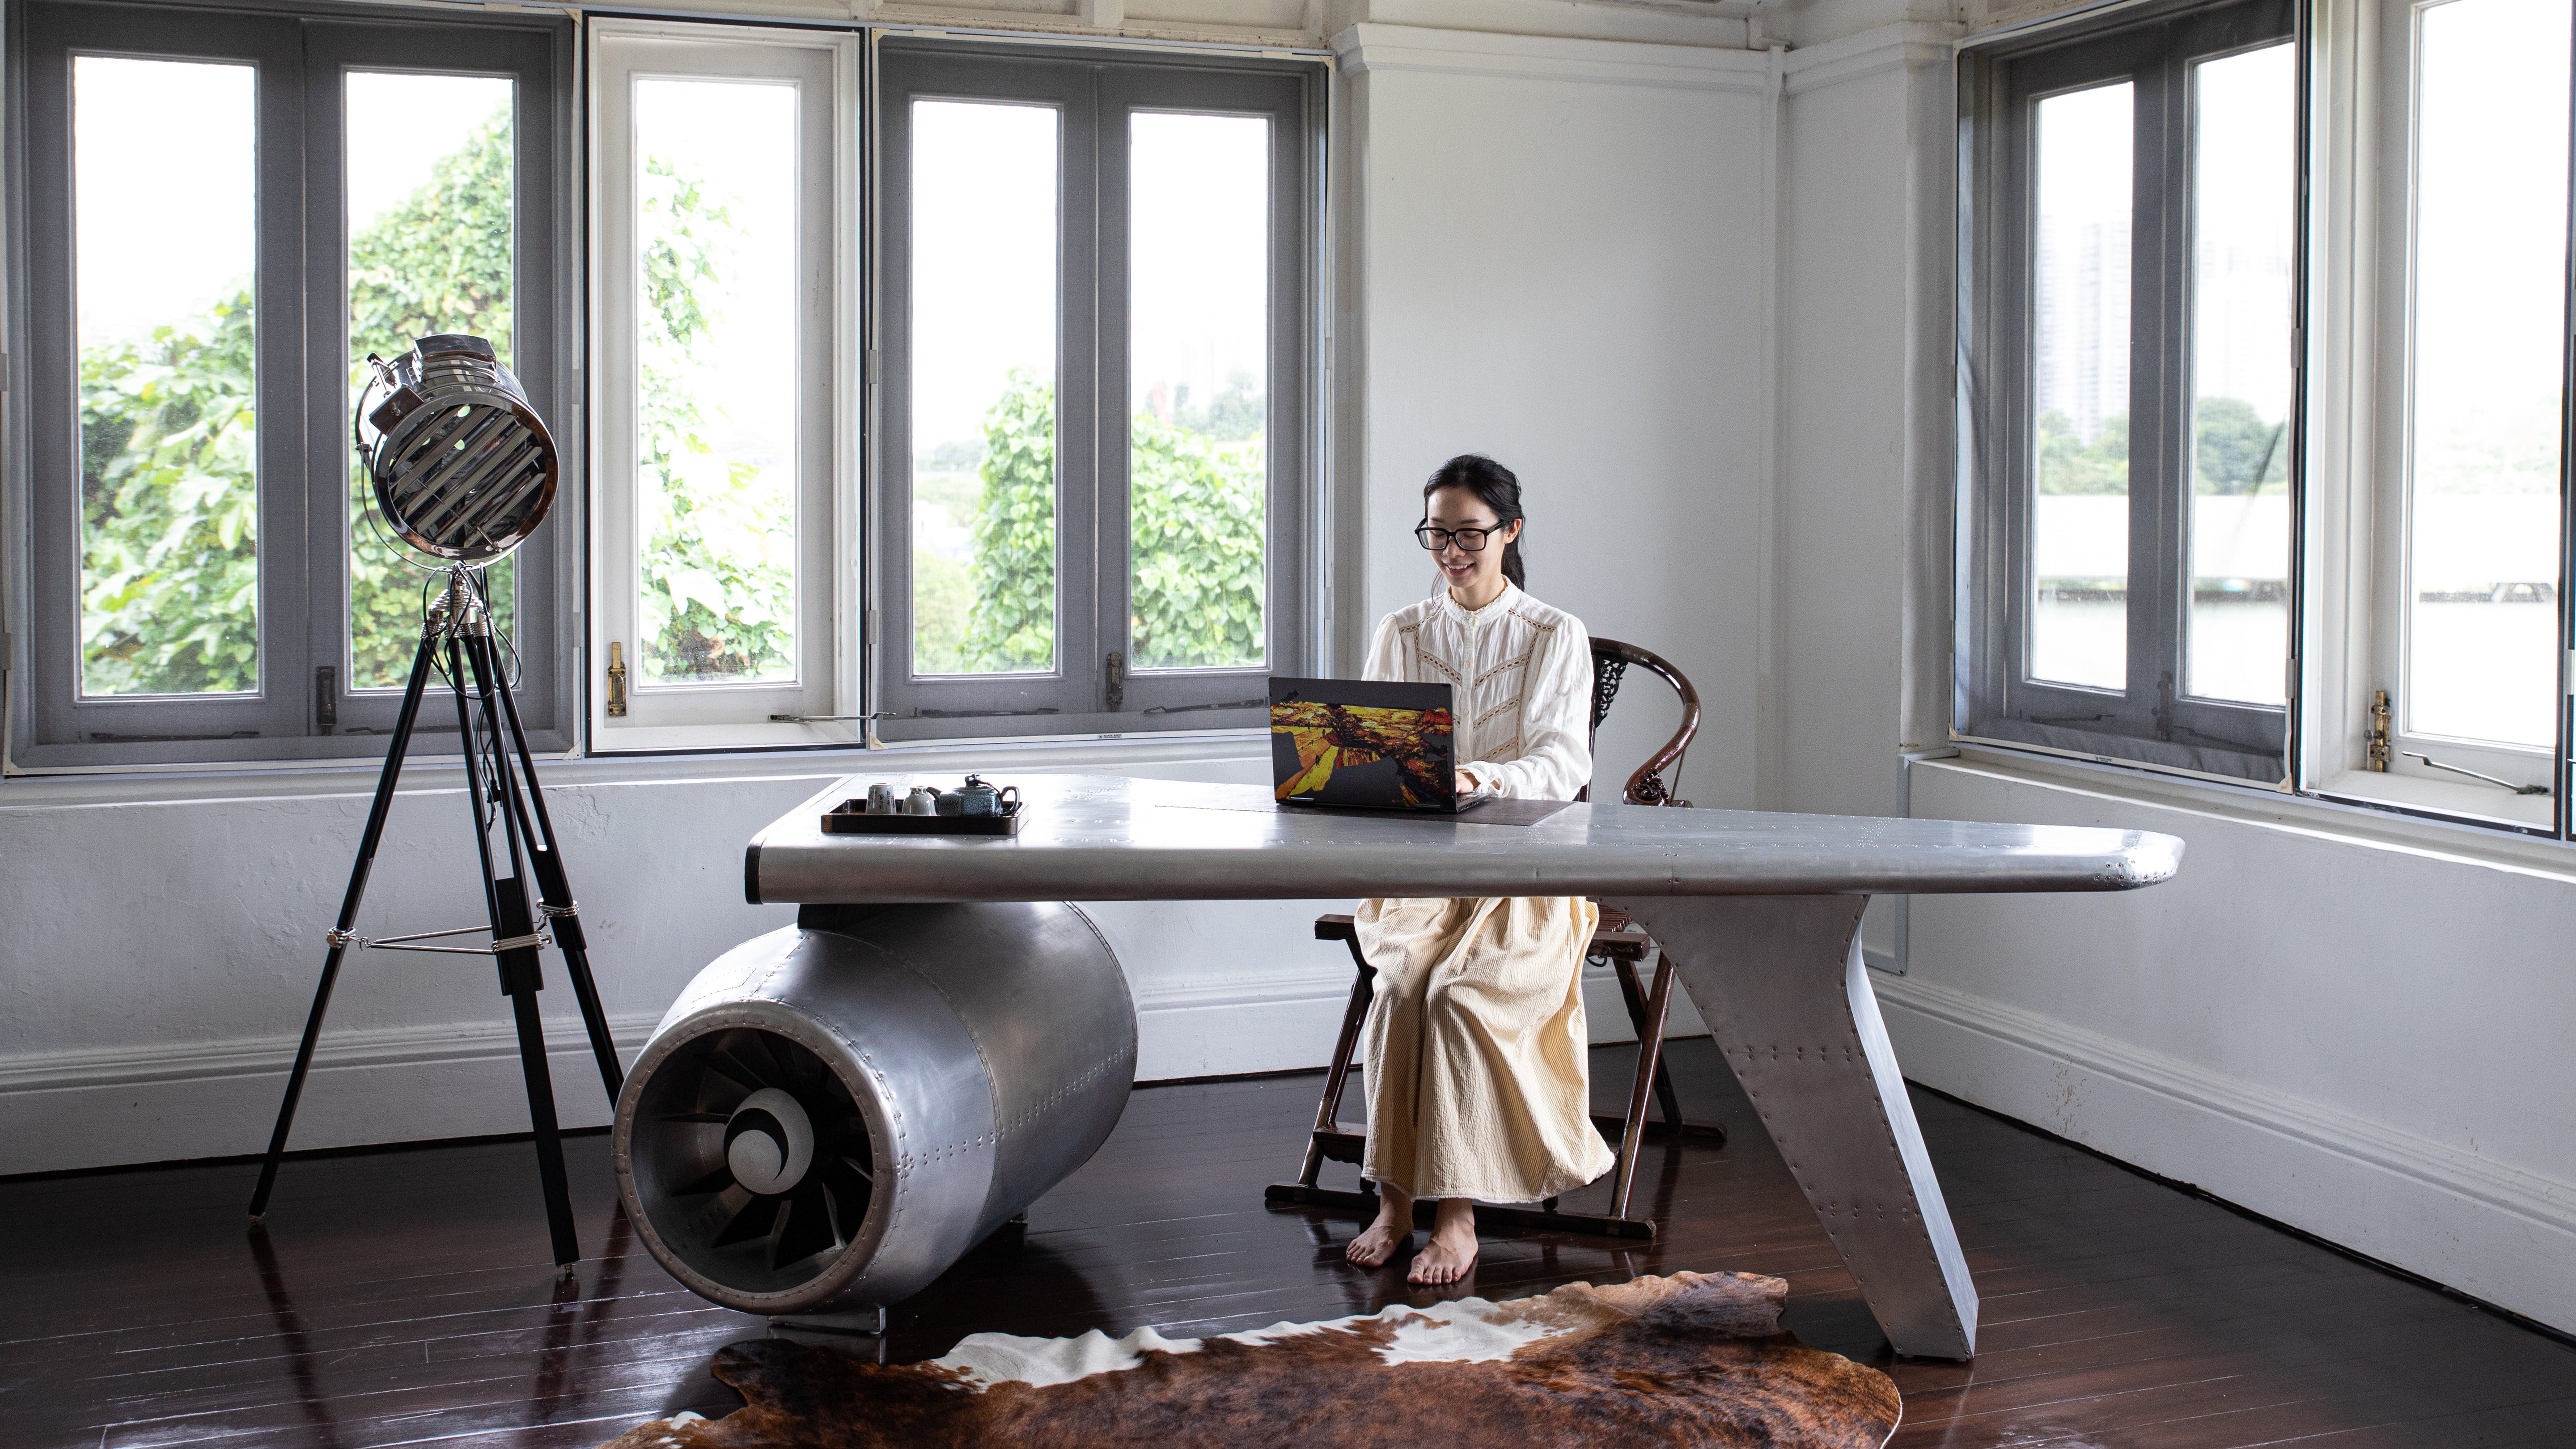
[1520, 677]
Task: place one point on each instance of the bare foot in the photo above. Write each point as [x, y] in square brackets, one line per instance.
[1392, 1230]
[1451, 1253]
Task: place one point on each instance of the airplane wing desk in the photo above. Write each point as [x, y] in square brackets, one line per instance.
[924, 971]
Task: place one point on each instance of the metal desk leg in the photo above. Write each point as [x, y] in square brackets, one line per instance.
[1780, 981]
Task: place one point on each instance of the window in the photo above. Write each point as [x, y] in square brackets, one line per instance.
[726, 264]
[1093, 435]
[225, 212]
[2130, 407]
[2462, 477]
[2163, 559]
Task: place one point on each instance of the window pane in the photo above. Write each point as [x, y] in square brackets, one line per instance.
[429, 171]
[715, 235]
[983, 387]
[1199, 320]
[2079, 542]
[2244, 206]
[2489, 312]
[169, 568]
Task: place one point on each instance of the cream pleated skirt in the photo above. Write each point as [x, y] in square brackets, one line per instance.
[1477, 1073]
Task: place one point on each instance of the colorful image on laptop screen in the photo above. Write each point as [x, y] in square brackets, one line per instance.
[1395, 756]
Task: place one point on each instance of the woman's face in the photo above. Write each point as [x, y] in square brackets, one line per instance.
[1475, 574]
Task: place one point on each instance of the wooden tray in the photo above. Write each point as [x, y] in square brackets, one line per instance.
[851, 817]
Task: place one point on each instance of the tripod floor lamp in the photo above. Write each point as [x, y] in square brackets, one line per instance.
[463, 471]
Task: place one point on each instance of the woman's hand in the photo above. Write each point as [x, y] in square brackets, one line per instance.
[1467, 784]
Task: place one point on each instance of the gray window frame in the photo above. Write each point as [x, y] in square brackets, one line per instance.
[1093, 92]
[1994, 699]
[302, 52]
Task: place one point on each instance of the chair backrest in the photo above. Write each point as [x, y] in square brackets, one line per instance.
[1610, 662]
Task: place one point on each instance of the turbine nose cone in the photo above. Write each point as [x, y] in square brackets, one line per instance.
[769, 1142]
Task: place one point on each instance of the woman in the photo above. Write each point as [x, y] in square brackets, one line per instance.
[1475, 1045]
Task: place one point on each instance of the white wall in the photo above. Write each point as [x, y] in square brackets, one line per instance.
[162, 945]
[2365, 1038]
[1562, 269]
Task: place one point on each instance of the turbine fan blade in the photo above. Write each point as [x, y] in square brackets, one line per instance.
[751, 1224]
[727, 1063]
[759, 1051]
[848, 1192]
[806, 1230]
[716, 1181]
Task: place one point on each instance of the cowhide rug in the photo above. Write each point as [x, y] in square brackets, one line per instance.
[1690, 1359]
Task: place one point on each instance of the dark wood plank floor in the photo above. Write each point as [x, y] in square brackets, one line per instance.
[405, 1297]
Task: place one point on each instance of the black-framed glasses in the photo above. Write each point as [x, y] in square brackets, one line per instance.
[1435, 539]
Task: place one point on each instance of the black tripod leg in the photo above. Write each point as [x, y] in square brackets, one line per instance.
[515, 951]
[541, 1100]
[555, 889]
[367, 843]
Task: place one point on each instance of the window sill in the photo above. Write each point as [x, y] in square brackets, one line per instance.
[2355, 823]
[2479, 804]
[1200, 754]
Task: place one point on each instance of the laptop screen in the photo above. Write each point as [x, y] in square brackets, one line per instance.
[1362, 742]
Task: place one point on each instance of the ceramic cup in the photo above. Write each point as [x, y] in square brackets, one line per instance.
[880, 798]
[922, 801]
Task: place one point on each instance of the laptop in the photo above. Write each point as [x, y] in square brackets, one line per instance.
[1365, 745]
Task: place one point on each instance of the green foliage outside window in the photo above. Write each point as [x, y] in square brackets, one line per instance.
[2068, 464]
[719, 559]
[1011, 622]
[1197, 510]
[170, 509]
[2235, 452]
[440, 261]
[1196, 513]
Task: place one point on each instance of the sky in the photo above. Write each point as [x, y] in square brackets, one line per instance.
[136, 271]
[135, 268]
[984, 259]
[984, 255]
[738, 138]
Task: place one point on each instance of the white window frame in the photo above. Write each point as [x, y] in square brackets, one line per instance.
[2361, 275]
[826, 68]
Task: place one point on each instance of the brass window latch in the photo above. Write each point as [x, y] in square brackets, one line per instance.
[2377, 758]
[616, 679]
[1117, 682]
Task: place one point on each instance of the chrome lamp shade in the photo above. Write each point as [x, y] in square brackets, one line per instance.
[463, 468]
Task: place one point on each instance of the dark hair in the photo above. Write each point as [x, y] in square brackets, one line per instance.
[1496, 488]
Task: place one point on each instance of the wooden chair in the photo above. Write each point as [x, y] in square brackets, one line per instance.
[1617, 941]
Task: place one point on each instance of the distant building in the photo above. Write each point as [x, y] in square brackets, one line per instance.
[2083, 323]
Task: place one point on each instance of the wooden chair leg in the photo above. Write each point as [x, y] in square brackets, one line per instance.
[1666, 1099]
[1650, 1056]
[1328, 1113]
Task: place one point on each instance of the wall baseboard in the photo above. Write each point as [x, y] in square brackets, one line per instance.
[166, 1103]
[174, 1102]
[2497, 1234]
